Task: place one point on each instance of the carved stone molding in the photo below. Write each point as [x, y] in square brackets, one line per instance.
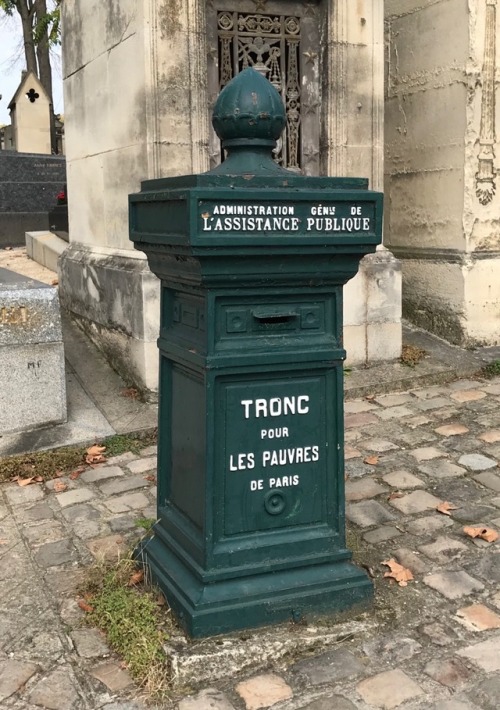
[485, 176]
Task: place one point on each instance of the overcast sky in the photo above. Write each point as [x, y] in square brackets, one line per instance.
[12, 63]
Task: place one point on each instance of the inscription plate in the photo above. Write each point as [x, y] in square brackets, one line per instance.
[356, 218]
[276, 454]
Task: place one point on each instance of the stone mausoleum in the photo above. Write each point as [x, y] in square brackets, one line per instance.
[140, 80]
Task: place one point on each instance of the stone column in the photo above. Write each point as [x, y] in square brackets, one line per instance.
[353, 145]
[441, 159]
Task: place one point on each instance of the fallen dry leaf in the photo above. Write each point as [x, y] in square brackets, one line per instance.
[77, 472]
[58, 474]
[54, 282]
[396, 494]
[86, 607]
[398, 572]
[150, 478]
[371, 460]
[38, 479]
[130, 392]
[445, 507]
[59, 486]
[136, 578]
[484, 533]
[24, 481]
[95, 454]
[161, 600]
[369, 396]
[3, 542]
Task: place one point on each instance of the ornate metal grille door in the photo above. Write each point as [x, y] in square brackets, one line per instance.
[280, 40]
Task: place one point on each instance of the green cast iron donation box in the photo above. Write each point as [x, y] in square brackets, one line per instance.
[252, 260]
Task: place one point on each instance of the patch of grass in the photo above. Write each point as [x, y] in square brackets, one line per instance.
[145, 523]
[49, 463]
[133, 623]
[411, 355]
[492, 369]
[121, 443]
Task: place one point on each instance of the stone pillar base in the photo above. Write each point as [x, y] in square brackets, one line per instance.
[116, 299]
[372, 310]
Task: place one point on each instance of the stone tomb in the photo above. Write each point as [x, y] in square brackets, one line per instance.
[32, 375]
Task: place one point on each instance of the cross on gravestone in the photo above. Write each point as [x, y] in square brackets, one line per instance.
[32, 95]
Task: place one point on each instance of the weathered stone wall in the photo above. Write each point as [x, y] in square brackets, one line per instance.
[437, 220]
[136, 103]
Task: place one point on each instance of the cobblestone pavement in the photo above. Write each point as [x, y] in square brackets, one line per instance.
[434, 643]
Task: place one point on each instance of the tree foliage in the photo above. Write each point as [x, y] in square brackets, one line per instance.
[40, 23]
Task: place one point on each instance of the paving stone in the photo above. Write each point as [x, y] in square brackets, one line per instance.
[411, 560]
[451, 430]
[394, 400]
[394, 413]
[402, 480]
[330, 702]
[367, 513]
[122, 485]
[445, 413]
[90, 643]
[491, 436]
[65, 582]
[120, 705]
[417, 421]
[365, 488]
[460, 385]
[20, 495]
[426, 453]
[54, 554]
[389, 689]
[476, 462]
[329, 667]
[379, 445]
[415, 502]
[443, 549]
[262, 691]
[351, 453]
[442, 469]
[70, 612]
[108, 548]
[416, 438]
[81, 512]
[142, 465]
[77, 495]
[386, 532]
[121, 458]
[113, 677]
[363, 419]
[467, 395]
[473, 513]
[358, 405]
[101, 474]
[393, 649]
[487, 566]
[461, 490]
[478, 617]
[429, 392]
[486, 654]
[13, 675]
[127, 502]
[489, 479]
[439, 634]
[357, 469]
[41, 533]
[149, 450]
[450, 672]
[122, 524]
[456, 703]
[427, 405]
[487, 692]
[453, 585]
[58, 691]
[40, 511]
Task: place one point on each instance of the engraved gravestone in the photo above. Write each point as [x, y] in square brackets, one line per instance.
[32, 376]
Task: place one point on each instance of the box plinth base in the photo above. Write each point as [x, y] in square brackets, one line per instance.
[208, 609]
